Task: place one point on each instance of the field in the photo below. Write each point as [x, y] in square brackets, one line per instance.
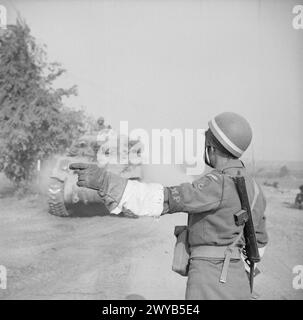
[111, 257]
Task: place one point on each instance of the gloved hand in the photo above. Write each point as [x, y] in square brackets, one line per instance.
[109, 185]
[89, 175]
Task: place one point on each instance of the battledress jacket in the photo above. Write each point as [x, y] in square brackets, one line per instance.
[212, 201]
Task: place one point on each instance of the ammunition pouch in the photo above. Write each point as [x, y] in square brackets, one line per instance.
[181, 251]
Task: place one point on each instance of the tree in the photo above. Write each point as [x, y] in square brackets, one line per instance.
[34, 122]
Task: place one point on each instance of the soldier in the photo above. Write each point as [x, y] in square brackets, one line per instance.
[100, 123]
[211, 202]
[299, 198]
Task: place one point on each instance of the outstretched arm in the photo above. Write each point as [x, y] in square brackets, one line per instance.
[149, 199]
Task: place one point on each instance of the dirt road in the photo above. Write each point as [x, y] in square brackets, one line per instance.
[111, 257]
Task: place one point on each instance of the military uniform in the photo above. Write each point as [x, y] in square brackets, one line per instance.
[211, 203]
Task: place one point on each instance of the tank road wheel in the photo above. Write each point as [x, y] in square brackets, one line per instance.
[56, 198]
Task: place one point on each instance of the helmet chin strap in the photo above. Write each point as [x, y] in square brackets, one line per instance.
[206, 157]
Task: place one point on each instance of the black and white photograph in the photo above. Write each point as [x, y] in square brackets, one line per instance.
[151, 150]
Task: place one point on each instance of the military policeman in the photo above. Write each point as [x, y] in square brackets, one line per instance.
[299, 198]
[211, 203]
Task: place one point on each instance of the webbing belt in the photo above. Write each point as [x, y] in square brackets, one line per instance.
[212, 252]
[218, 253]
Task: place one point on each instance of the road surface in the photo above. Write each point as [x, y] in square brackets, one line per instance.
[112, 257]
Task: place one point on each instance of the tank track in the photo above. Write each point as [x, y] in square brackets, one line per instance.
[56, 198]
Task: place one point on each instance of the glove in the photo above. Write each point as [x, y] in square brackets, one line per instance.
[109, 185]
[89, 175]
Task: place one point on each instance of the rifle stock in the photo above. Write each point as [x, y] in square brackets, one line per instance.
[251, 248]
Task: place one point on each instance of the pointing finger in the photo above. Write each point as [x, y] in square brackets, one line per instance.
[78, 166]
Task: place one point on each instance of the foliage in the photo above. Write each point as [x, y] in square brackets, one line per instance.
[34, 123]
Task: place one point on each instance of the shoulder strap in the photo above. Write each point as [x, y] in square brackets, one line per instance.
[256, 190]
[256, 193]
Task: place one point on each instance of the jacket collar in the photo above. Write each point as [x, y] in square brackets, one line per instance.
[232, 163]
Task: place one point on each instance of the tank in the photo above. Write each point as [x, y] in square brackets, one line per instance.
[115, 153]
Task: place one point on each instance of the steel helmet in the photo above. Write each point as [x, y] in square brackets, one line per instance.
[100, 121]
[232, 131]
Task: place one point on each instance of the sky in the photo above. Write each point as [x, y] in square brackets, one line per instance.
[176, 64]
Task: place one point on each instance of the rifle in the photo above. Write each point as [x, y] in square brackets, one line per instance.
[251, 248]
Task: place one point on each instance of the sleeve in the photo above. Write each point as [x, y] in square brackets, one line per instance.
[202, 195]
